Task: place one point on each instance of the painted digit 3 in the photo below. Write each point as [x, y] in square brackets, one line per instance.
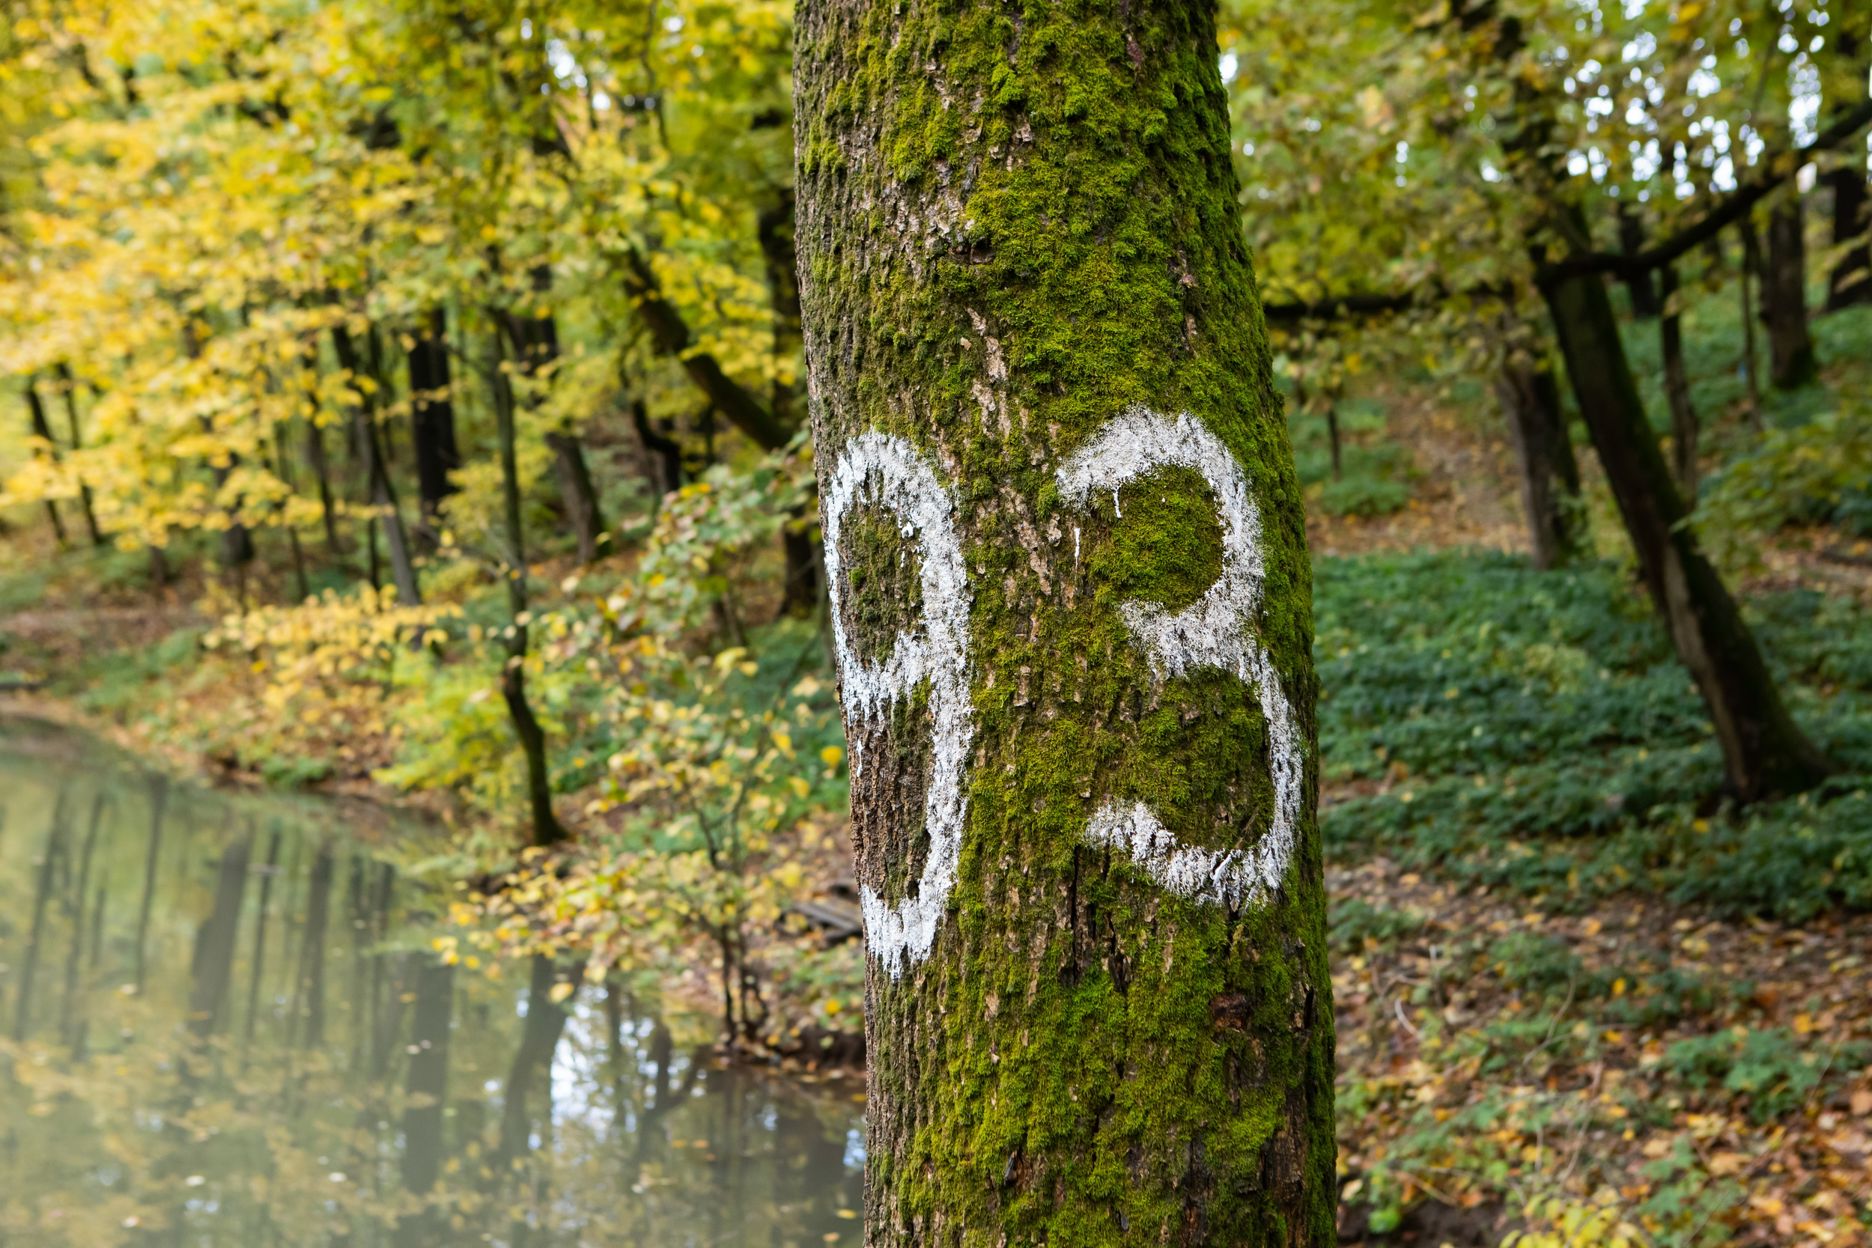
[1212, 632]
[879, 470]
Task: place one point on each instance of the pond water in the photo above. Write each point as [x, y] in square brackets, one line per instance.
[222, 1023]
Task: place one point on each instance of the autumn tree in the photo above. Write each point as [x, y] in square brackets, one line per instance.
[1071, 599]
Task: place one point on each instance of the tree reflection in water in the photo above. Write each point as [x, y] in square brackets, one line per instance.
[262, 1051]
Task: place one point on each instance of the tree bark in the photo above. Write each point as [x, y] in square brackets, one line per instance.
[536, 345]
[1683, 417]
[1791, 361]
[1071, 602]
[1550, 482]
[432, 420]
[1850, 282]
[35, 412]
[1751, 273]
[1644, 294]
[1764, 752]
[382, 492]
[663, 458]
[321, 471]
[546, 828]
[85, 500]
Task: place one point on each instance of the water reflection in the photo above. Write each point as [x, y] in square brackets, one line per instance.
[223, 1025]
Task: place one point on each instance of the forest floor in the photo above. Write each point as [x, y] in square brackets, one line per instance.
[1578, 998]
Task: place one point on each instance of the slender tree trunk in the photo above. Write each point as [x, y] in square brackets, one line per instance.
[35, 411]
[1764, 752]
[282, 468]
[70, 386]
[662, 453]
[1097, 1003]
[1751, 271]
[321, 469]
[1791, 361]
[1683, 416]
[432, 420]
[577, 492]
[545, 824]
[1550, 483]
[237, 548]
[1644, 294]
[382, 492]
[536, 345]
[1850, 282]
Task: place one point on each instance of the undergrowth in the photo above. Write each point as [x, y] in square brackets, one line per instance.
[1532, 729]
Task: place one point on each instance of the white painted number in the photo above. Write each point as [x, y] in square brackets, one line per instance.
[1213, 632]
[884, 471]
[879, 470]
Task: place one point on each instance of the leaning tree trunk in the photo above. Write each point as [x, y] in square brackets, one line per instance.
[1764, 752]
[1791, 362]
[1550, 481]
[1070, 594]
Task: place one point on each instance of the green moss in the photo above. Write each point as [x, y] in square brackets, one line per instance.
[1036, 203]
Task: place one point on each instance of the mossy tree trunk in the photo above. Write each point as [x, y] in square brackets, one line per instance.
[1071, 600]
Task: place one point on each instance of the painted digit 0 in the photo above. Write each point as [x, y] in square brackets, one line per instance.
[879, 470]
[1213, 632]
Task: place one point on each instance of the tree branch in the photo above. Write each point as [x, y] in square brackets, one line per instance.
[1728, 211]
[671, 334]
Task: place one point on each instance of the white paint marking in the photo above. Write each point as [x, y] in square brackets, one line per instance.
[1214, 632]
[877, 469]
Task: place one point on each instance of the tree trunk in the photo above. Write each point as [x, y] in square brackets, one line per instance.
[577, 493]
[536, 345]
[1683, 416]
[1098, 1009]
[532, 737]
[1764, 752]
[321, 469]
[382, 492]
[1550, 484]
[1751, 272]
[70, 386]
[1850, 281]
[1644, 295]
[35, 411]
[432, 420]
[1791, 362]
[662, 454]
